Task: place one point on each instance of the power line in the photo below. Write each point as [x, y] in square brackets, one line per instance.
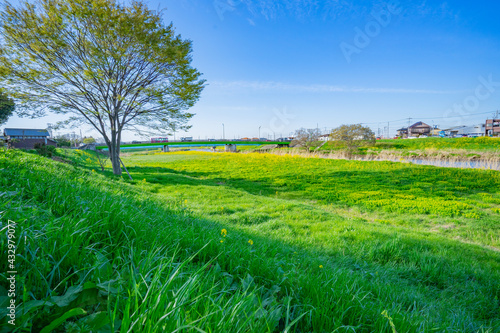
[433, 118]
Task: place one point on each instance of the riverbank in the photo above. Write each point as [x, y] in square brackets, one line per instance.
[457, 158]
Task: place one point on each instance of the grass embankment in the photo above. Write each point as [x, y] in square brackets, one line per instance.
[304, 241]
[483, 148]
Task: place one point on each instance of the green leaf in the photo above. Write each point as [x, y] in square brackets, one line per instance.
[24, 308]
[96, 320]
[71, 294]
[62, 319]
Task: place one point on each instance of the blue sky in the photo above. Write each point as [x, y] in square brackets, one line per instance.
[281, 65]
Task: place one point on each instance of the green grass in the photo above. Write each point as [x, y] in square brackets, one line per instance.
[473, 144]
[334, 244]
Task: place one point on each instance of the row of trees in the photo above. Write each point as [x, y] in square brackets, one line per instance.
[351, 135]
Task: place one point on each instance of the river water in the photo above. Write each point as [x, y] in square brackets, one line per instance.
[475, 164]
[478, 164]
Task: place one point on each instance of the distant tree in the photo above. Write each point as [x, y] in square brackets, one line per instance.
[306, 137]
[88, 140]
[107, 64]
[62, 141]
[353, 135]
[7, 107]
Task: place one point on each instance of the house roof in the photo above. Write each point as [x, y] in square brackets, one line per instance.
[419, 124]
[25, 132]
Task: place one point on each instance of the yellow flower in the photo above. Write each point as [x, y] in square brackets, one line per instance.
[223, 232]
[250, 242]
[221, 241]
[320, 266]
[93, 170]
[185, 202]
[144, 180]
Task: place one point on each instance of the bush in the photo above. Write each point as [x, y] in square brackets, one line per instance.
[44, 150]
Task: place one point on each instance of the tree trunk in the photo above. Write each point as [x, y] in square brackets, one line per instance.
[115, 162]
[114, 154]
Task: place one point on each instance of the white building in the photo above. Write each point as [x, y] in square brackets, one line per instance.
[472, 131]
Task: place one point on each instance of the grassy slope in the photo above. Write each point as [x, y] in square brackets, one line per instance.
[482, 144]
[102, 229]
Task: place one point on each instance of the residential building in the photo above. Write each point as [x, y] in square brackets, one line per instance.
[324, 137]
[415, 130]
[419, 129]
[402, 132]
[492, 127]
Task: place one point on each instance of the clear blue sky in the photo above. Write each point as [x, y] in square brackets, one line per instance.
[281, 65]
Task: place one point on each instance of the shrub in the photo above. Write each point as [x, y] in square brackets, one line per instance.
[44, 150]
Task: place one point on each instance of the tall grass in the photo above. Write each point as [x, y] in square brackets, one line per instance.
[98, 253]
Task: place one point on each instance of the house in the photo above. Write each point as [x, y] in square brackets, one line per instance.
[324, 137]
[419, 129]
[415, 130]
[402, 132]
[492, 127]
[27, 138]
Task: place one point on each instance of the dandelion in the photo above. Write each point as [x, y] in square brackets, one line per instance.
[185, 202]
[250, 242]
[93, 170]
[223, 232]
[221, 241]
[320, 266]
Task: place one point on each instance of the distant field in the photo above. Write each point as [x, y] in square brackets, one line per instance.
[259, 243]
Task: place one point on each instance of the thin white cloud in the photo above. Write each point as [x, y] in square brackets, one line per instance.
[319, 88]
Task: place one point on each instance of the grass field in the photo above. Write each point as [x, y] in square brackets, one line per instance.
[252, 243]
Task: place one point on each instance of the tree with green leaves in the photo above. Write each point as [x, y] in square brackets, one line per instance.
[7, 107]
[353, 135]
[113, 66]
[88, 140]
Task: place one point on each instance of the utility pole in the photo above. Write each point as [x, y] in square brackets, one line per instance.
[223, 132]
[388, 133]
[259, 132]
